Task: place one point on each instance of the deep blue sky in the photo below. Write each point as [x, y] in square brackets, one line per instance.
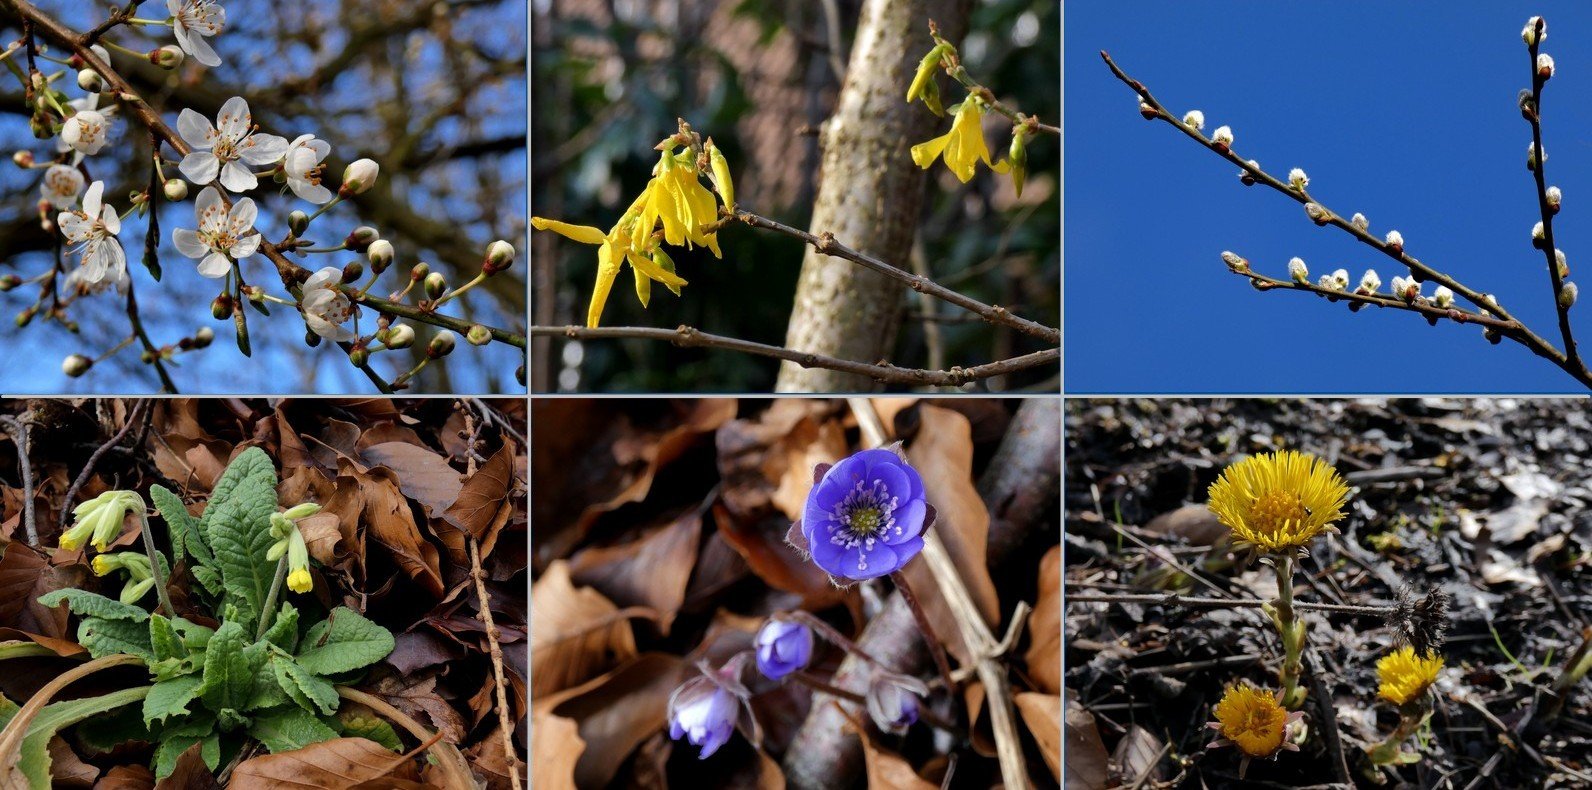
[1399, 111]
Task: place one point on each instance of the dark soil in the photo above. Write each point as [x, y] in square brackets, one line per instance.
[1485, 499]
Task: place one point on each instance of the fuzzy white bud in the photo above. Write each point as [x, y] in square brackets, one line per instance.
[1298, 271]
[1535, 156]
[1530, 34]
[1235, 262]
[1359, 221]
[1298, 179]
[1544, 65]
[1555, 197]
[1369, 283]
[1341, 278]
[1538, 232]
[1567, 295]
[1443, 297]
[1223, 136]
[1194, 119]
[1317, 213]
[1563, 264]
[1395, 240]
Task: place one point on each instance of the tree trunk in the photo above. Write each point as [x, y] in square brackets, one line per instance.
[869, 194]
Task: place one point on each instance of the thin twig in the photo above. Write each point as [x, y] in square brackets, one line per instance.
[88, 468]
[505, 725]
[19, 428]
[885, 372]
[1424, 307]
[1556, 277]
[936, 645]
[1174, 599]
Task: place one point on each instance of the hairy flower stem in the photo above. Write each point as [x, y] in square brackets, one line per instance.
[154, 566]
[817, 684]
[936, 647]
[266, 616]
[1292, 630]
[1411, 716]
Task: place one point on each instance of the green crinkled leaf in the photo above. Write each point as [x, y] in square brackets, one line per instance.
[163, 639]
[237, 522]
[103, 734]
[178, 741]
[373, 729]
[195, 637]
[284, 630]
[208, 578]
[289, 727]
[86, 604]
[266, 693]
[310, 692]
[344, 640]
[103, 637]
[34, 756]
[8, 709]
[228, 680]
[170, 698]
[186, 538]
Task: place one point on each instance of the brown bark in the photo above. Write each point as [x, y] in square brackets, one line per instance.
[869, 194]
[1019, 487]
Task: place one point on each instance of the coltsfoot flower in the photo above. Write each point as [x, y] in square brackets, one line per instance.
[1279, 501]
[99, 520]
[865, 516]
[1403, 675]
[223, 236]
[229, 149]
[92, 230]
[326, 308]
[783, 647]
[1253, 721]
[963, 147]
[193, 21]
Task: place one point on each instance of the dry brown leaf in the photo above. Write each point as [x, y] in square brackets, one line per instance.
[1088, 764]
[578, 633]
[422, 474]
[337, 764]
[191, 773]
[1044, 626]
[763, 547]
[483, 494]
[556, 747]
[767, 462]
[127, 777]
[24, 576]
[616, 712]
[943, 456]
[1042, 714]
[652, 571]
[417, 696]
[67, 769]
[886, 768]
[389, 521]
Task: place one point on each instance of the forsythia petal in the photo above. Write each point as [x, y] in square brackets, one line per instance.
[585, 234]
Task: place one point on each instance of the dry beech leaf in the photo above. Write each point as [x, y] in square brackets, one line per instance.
[556, 747]
[886, 768]
[767, 462]
[1042, 714]
[1044, 626]
[417, 696]
[422, 474]
[389, 521]
[481, 496]
[66, 768]
[943, 456]
[1088, 764]
[652, 571]
[617, 711]
[578, 633]
[127, 777]
[24, 576]
[763, 547]
[337, 764]
[191, 773]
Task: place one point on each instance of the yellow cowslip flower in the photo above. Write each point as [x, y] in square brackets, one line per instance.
[1405, 676]
[1279, 501]
[299, 581]
[1253, 720]
[963, 147]
[99, 520]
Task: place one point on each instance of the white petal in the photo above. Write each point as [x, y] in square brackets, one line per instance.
[92, 198]
[243, 215]
[188, 243]
[112, 222]
[200, 50]
[73, 227]
[234, 119]
[215, 265]
[238, 178]
[208, 209]
[314, 193]
[263, 149]
[320, 278]
[113, 256]
[195, 129]
[245, 246]
[200, 167]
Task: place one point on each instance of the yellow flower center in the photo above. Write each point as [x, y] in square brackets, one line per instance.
[1253, 720]
[865, 521]
[1274, 510]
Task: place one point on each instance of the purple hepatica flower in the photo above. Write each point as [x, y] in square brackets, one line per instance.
[893, 701]
[782, 648]
[704, 712]
[865, 516]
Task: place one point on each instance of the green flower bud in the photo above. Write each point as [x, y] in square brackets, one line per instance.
[167, 57]
[478, 335]
[361, 238]
[204, 337]
[76, 365]
[400, 336]
[90, 80]
[352, 271]
[380, 255]
[221, 307]
[419, 272]
[435, 285]
[1018, 156]
[22, 159]
[175, 189]
[499, 256]
[925, 74]
[298, 222]
[441, 345]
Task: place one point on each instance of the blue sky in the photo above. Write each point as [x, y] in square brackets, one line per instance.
[1398, 111]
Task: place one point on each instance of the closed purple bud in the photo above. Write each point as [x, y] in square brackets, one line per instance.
[704, 712]
[782, 648]
[894, 700]
[866, 516]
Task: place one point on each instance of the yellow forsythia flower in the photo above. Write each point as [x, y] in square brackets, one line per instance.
[963, 147]
[1404, 676]
[1279, 501]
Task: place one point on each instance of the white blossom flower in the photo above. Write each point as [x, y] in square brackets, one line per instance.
[1298, 179]
[1443, 296]
[302, 165]
[1223, 135]
[1194, 119]
[1370, 282]
[78, 283]
[1359, 221]
[1298, 271]
[86, 131]
[62, 184]
[1529, 33]
[195, 20]
[223, 237]
[228, 148]
[326, 308]
[93, 229]
[1544, 65]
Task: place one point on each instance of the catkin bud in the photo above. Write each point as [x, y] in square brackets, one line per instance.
[76, 365]
[1544, 66]
[1194, 119]
[441, 345]
[1555, 197]
[175, 189]
[1535, 31]
[478, 335]
[1298, 271]
[435, 285]
[380, 255]
[1567, 296]
[499, 256]
[1235, 262]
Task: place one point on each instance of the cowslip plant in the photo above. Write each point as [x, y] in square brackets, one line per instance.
[242, 668]
[223, 159]
[1277, 503]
